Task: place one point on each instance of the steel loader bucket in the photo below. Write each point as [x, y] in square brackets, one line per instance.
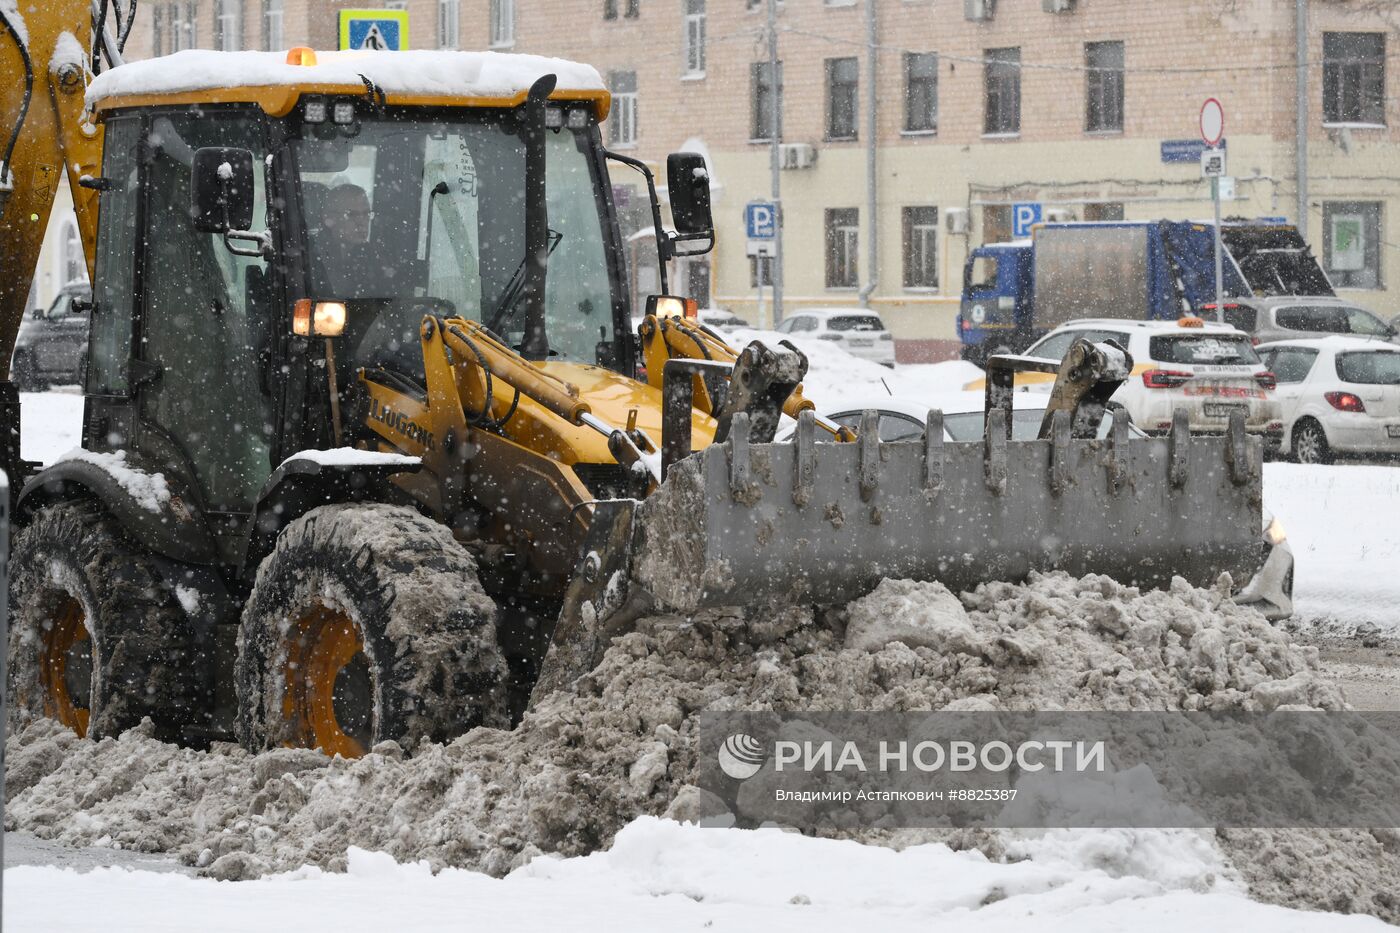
[741, 524]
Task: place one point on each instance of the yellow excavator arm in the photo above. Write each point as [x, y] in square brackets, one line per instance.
[45, 54]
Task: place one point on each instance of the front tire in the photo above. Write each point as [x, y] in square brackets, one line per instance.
[97, 640]
[1310, 443]
[367, 622]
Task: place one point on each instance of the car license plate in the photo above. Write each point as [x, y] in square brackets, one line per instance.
[857, 342]
[1393, 430]
[1222, 410]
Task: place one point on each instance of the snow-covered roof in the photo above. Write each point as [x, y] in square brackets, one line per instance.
[409, 76]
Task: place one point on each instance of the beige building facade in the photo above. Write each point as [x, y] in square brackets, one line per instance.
[1075, 106]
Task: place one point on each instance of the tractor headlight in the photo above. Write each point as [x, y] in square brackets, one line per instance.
[1275, 534]
[321, 318]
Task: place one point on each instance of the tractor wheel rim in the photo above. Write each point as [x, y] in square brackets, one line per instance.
[66, 654]
[328, 700]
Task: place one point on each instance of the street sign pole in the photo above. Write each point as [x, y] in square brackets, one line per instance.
[1219, 261]
[1213, 166]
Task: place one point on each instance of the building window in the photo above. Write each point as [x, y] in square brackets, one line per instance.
[694, 38]
[228, 25]
[1353, 77]
[158, 31]
[632, 8]
[921, 247]
[996, 223]
[448, 14]
[1351, 241]
[920, 92]
[842, 243]
[1103, 104]
[842, 77]
[502, 23]
[180, 20]
[763, 99]
[623, 129]
[272, 25]
[1002, 78]
[1106, 210]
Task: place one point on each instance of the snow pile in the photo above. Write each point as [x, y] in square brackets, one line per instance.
[460, 74]
[621, 744]
[150, 490]
[353, 457]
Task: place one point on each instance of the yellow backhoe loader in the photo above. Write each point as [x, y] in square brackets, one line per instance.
[370, 450]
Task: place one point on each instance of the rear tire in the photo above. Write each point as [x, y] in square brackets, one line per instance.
[367, 622]
[97, 640]
[1310, 443]
[24, 373]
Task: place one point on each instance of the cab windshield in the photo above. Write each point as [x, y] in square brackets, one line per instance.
[414, 215]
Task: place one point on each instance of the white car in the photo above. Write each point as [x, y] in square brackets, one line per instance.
[720, 319]
[1270, 590]
[858, 331]
[1338, 395]
[1207, 368]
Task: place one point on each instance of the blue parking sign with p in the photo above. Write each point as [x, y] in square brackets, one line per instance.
[1024, 216]
[761, 220]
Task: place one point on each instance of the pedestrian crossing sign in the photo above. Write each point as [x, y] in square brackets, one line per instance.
[374, 30]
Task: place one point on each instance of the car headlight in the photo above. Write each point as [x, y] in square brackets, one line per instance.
[1275, 534]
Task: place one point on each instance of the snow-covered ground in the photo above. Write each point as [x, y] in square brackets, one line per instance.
[664, 875]
[1343, 523]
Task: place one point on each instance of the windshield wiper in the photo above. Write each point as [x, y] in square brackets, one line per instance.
[516, 286]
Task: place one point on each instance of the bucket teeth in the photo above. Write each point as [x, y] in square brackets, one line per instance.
[1118, 451]
[933, 452]
[868, 440]
[994, 451]
[1059, 451]
[1179, 449]
[740, 465]
[805, 474]
[1237, 453]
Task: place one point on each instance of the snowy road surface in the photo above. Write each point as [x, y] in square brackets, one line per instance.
[661, 875]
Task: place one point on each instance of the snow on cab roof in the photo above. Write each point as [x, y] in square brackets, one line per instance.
[474, 76]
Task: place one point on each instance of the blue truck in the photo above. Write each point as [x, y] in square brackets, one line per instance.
[1013, 293]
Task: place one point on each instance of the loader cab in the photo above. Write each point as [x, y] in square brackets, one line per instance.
[205, 360]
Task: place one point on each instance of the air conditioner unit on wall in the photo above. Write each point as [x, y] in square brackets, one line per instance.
[956, 219]
[797, 155]
[978, 11]
[1057, 6]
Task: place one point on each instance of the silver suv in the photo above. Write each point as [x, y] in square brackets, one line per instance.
[1288, 317]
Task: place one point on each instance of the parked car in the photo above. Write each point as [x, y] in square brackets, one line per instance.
[1208, 368]
[901, 419]
[720, 319]
[51, 343]
[1289, 317]
[858, 331]
[1337, 395]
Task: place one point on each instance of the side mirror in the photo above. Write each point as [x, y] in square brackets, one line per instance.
[689, 182]
[221, 189]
